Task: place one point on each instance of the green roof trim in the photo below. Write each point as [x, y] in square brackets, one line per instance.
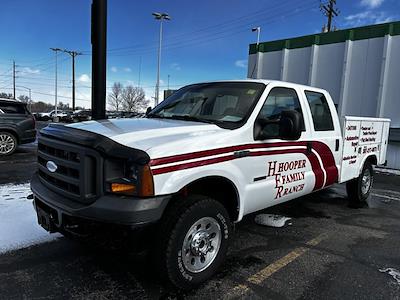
[352, 34]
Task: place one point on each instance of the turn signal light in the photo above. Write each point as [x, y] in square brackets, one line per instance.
[146, 188]
[123, 188]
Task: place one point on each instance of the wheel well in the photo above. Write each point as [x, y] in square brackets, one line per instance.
[13, 132]
[219, 188]
[372, 159]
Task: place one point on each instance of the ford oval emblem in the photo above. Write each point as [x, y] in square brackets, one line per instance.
[51, 166]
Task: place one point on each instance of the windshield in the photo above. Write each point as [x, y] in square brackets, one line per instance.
[226, 104]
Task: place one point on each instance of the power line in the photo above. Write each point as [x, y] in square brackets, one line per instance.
[223, 29]
[47, 94]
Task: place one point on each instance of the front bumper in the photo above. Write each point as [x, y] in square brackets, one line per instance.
[129, 211]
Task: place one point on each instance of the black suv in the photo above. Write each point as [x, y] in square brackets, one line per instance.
[17, 126]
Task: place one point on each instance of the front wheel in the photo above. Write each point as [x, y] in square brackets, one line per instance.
[193, 241]
[359, 189]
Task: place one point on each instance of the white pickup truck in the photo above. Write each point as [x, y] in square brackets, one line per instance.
[200, 161]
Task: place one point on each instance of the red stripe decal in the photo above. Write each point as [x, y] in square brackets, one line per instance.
[205, 153]
[322, 149]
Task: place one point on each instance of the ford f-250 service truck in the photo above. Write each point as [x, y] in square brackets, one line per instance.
[200, 161]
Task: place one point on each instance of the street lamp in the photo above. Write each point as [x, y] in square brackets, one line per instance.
[161, 17]
[258, 29]
[55, 97]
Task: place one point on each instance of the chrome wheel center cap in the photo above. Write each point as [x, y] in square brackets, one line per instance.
[200, 243]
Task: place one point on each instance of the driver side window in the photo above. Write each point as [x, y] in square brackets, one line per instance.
[279, 99]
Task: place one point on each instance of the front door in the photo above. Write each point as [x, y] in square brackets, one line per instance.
[281, 170]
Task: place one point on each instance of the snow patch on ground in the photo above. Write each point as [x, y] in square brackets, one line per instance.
[271, 220]
[392, 272]
[387, 171]
[18, 222]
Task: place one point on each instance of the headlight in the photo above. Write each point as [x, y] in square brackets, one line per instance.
[127, 178]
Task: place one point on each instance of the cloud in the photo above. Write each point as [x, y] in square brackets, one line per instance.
[114, 69]
[175, 66]
[241, 63]
[28, 70]
[372, 3]
[127, 69]
[368, 17]
[84, 78]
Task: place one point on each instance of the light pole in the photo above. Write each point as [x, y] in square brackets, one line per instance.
[161, 17]
[258, 29]
[55, 96]
[30, 98]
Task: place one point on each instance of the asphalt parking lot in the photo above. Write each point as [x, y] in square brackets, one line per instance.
[328, 251]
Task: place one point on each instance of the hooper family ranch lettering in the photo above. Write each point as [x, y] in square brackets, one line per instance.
[281, 180]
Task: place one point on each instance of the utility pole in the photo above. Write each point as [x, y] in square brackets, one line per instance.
[329, 10]
[55, 82]
[14, 78]
[73, 55]
[168, 82]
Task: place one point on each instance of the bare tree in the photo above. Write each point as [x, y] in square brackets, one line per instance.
[115, 98]
[134, 99]
[23, 98]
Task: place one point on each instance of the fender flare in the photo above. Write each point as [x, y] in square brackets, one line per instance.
[373, 156]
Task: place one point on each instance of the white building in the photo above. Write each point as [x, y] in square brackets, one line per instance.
[360, 67]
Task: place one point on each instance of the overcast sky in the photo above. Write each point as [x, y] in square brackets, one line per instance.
[205, 40]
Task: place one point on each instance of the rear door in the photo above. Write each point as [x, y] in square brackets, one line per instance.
[17, 116]
[325, 133]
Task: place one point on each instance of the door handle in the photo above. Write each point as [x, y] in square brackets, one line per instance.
[309, 147]
[239, 154]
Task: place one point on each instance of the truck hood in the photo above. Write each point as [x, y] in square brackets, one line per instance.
[152, 134]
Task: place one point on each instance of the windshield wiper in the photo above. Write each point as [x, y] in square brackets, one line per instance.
[191, 118]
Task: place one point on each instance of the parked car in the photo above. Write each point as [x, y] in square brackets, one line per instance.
[47, 116]
[82, 115]
[200, 161]
[17, 126]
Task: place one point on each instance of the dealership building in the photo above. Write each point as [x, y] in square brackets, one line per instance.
[360, 67]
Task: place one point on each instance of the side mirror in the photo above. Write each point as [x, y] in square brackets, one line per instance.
[288, 127]
[149, 109]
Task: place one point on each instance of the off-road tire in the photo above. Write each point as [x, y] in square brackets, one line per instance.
[177, 221]
[356, 193]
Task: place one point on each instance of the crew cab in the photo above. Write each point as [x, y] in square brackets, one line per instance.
[201, 160]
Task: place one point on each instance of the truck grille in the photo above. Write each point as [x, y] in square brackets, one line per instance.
[78, 173]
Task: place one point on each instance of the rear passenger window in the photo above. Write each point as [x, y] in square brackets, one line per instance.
[8, 108]
[320, 111]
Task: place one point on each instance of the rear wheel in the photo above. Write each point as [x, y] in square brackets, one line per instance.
[359, 189]
[8, 143]
[192, 241]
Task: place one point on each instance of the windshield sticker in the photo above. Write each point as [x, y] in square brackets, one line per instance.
[251, 92]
